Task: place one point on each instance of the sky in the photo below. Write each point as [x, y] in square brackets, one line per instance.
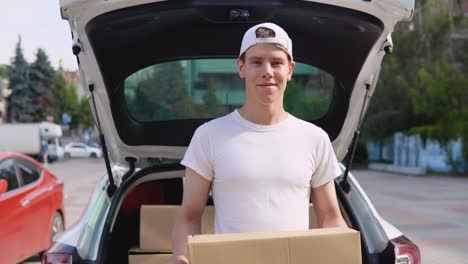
[40, 25]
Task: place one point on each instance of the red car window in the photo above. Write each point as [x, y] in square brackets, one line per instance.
[29, 171]
[8, 172]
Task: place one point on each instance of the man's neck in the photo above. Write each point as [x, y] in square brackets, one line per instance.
[263, 115]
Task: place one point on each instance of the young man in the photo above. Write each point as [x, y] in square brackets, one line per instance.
[261, 164]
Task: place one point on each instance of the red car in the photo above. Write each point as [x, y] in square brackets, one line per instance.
[31, 207]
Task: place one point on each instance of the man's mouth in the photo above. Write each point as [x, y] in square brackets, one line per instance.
[266, 84]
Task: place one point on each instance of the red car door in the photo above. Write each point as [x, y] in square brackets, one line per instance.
[12, 215]
[37, 203]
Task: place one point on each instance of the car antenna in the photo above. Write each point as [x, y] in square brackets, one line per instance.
[344, 182]
[112, 187]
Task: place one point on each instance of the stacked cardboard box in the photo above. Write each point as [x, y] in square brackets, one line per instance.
[328, 246]
[156, 223]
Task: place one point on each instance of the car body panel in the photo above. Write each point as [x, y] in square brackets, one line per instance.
[80, 13]
[27, 211]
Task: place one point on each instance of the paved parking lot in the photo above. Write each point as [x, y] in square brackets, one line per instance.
[431, 210]
[79, 175]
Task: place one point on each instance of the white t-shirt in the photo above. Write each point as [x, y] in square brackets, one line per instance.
[261, 175]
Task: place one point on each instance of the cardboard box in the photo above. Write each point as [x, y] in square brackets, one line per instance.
[157, 222]
[140, 256]
[329, 246]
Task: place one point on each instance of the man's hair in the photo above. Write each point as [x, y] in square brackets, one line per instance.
[263, 32]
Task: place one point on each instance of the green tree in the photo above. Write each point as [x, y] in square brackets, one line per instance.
[21, 107]
[294, 99]
[4, 72]
[85, 116]
[391, 108]
[212, 105]
[420, 88]
[59, 96]
[303, 105]
[66, 100]
[41, 76]
[443, 99]
[162, 95]
[418, 45]
[73, 105]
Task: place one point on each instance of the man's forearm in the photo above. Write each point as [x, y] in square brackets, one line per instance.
[182, 229]
[332, 221]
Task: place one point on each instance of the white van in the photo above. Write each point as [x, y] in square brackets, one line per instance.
[27, 138]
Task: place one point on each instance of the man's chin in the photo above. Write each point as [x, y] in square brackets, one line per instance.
[268, 100]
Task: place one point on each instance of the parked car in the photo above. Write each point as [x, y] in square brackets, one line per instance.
[31, 207]
[156, 70]
[81, 150]
[94, 144]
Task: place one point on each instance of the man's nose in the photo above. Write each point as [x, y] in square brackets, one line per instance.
[267, 71]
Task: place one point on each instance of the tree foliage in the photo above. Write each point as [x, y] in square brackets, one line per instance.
[421, 90]
[59, 95]
[38, 91]
[67, 102]
[4, 72]
[212, 106]
[41, 76]
[162, 95]
[443, 99]
[305, 105]
[418, 45]
[85, 116]
[21, 107]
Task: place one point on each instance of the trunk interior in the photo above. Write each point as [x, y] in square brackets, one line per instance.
[152, 188]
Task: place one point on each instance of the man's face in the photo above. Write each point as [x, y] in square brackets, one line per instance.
[266, 70]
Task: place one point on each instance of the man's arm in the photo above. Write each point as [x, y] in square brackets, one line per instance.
[188, 220]
[326, 206]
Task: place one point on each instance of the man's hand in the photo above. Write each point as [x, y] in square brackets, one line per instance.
[188, 220]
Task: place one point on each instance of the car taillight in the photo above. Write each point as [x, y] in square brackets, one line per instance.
[58, 254]
[57, 259]
[406, 252]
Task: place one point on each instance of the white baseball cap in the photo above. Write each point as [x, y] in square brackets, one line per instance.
[281, 38]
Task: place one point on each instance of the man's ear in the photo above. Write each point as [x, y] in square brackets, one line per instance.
[292, 64]
[240, 68]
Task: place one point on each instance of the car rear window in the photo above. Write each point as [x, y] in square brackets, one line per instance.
[208, 88]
